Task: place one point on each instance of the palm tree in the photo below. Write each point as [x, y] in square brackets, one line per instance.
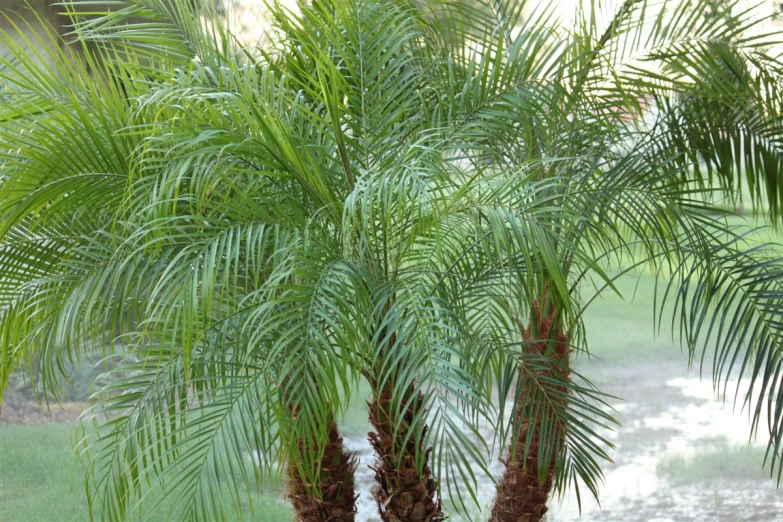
[414, 194]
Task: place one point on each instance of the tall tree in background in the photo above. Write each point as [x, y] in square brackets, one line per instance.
[414, 194]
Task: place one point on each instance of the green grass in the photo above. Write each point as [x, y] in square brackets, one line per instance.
[623, 329]
[41, 479]
[716, 460]
[354, 421]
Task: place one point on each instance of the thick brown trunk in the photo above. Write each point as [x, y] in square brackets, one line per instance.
[404, 491]
[521, 496]
[333, 498]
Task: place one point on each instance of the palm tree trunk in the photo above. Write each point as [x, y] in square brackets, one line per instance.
[332, 498]
[521, 496]
[405, 492]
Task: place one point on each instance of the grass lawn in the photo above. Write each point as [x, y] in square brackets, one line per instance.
[41, 479]
[716, 459]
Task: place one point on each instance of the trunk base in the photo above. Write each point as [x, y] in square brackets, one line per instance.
[334, 498]
[521, 496]
[403, 493]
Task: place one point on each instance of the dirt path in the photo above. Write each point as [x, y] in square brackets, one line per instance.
[16, 409]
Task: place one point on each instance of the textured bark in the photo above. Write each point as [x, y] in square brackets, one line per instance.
[521, 497]
[333, 499]
[403, 493]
